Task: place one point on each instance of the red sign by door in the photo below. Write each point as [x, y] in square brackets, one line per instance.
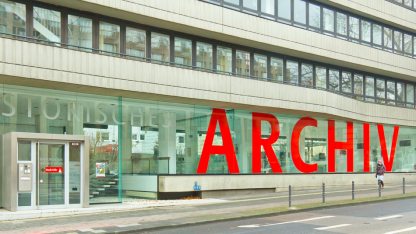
[53, 169]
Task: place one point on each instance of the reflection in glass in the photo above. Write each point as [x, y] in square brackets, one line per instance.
[135, 42]
[79, 31]
[346, 82]
[284, 9]
[233, 2]
[365, 31]
[354, 28]
[109, 37]
[242, 63]
[204, 55]
[12, 18]
[377, 34]
[369, 86]
[407, 41]
[391, 92]
[260, 66]
[292, 72]
[342, 24]
[299, 11]
[388, 38]
[398, 41]
[267, 6]
[410, 94]
[250, 4]
[160, 44]
[183, 51]
[224, 59]
[306, 78]
[320, 77]
[380, 90]
[358, 85]
[328, 20]
[333, 80]
[314, 16]
[46, 24]
[400, 92]
[276, 69]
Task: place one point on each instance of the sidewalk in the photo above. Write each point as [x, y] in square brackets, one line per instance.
[140, 215]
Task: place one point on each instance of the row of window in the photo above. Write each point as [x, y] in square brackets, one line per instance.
[410, 4]
[329, 21]
[194, 53]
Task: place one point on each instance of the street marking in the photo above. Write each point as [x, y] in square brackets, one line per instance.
[86, 230]
[249, 226]
[389, 217]
[401, 230]
[98, 231]
[331, 227]
[295, 221]
[128, 225]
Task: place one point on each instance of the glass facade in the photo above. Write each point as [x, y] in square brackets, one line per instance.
[80, 32]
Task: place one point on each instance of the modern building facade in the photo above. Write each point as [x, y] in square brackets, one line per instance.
[103, 100]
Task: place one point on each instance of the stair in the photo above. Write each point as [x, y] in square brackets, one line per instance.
[102, 187]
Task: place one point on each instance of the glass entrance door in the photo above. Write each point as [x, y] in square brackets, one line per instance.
[51, 173]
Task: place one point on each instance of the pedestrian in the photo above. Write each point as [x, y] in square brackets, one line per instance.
[380, 173]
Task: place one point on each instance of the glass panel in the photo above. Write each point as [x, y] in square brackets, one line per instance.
[24, 151]
[407, 3]
[46, 25]
[74, 173]
[80, 32]
[51, 184]
[250, 4]
[380, 90]
[233, 2]
[109, 37]
[242, 65]
[204, 55]
[369, 86]
[183, 51]
[342, 28]
[260, 66]
[292, 72]
[354, 28]
[267, 6]
[407, 39]
[377, 34]
[346, 82]
[410, 95]
[358, 85]
[328, 20]
[398, 41]
[160, 47]
[24, 199]
[314, 16]
[224, 59]
[276, 69]
[320, 77]
[414, 45]
[388, 38]
[135, 42]
[333, 80]
[365, 31]
[306, 75]
[391, 92]
[299, 11]
[12, 18]
[400, 92]
[284, 9]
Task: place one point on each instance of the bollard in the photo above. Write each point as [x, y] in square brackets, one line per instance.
[379, 189]
[352, 189]
[290, 196]
[404, 185]
[323, 192]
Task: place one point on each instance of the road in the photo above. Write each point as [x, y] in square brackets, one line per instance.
[385, 217]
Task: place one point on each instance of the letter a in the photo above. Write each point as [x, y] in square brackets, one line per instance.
[227, 149]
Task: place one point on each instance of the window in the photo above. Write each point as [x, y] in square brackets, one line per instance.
[410, 95]
[391, 92]
[414, 45]
[183, 51]
[306, 78]
[366, 31]
[314, 16]
[250, 4]
[388, 38]
[242, 63]
[46, 25]
[320, 77]
[292, 72]
[400, 93]
[407, 41]
[398, 41]
[276, 69]
[407, 3]
[328, 20]
[109, 37]
[79, 32]
[333, 80]
[260, 66]
[369, 88]
[299, 11]
[135, 42]
[204, 55]
[377, 34]
[232, 2]
[380, 90]
[284, 9]
[224, 59]
[267, 7]
[354, 28]
[160, 47]
[12, 18]
[358, 86]
[346, 82]
[342, 24]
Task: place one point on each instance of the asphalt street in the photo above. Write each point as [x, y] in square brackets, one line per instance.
[384, 217]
